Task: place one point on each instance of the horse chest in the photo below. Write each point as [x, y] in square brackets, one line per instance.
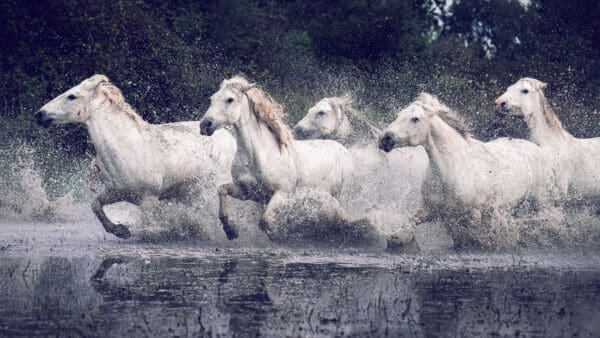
[245, 177]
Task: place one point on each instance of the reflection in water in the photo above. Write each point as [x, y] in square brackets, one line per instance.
[252, 294]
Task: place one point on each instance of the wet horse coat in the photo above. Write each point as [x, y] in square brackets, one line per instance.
[269, 163]
[138, 162]
[476, 178]
[575, 161]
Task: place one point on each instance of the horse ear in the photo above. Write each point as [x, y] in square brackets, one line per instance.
[538, 84]
[95, 80]
[248, 87]
[428, 100]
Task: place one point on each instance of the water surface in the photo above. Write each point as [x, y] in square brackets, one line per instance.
[72, 280]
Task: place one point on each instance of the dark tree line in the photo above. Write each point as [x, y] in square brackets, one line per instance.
[168, 57]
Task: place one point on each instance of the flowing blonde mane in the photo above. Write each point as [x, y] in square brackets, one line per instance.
[357, 120]
[265, 108]
[116, 99]
[431, 104]
[551, 119]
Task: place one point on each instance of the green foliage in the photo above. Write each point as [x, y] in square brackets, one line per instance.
[169, 57]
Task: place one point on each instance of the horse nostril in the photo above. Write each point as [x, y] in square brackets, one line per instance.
[206, 127]
[298, 132]
[41, 119]
[387, 142]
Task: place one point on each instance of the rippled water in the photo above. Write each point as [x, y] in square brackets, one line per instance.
[72, 279]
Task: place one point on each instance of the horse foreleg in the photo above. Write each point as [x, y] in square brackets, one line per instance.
[230, 229]
[267, 216]
[98, 204]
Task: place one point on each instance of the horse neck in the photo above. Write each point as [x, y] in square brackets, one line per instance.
[254, 139]
[540, 131]
[112, 132]
[445, 146]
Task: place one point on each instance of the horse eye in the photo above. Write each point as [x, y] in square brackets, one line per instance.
[321, 113]
[525, 91]
[229, 100]
[414, 120]
[71, 97]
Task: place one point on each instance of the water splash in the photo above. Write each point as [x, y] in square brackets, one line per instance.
[383, 196]
[24, 195]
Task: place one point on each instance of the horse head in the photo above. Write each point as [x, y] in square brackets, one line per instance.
[521, 99]
[410, 127]
[237, 95]
[225, 105]
[324, 119]
[74, 105]
[413, 124]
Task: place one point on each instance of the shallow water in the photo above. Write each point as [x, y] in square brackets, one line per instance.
[62, 274]
[74, 280]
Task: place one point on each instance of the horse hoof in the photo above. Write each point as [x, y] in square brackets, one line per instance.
[121, 231]
[230, 232]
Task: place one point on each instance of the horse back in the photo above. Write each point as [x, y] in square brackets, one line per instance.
[323, 163]
[183, 155]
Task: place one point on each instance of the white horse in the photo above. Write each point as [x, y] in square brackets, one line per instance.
[475, 178]
[335, 118]
[575, 161]
[269, 163]
[389, 195]
[139, 162]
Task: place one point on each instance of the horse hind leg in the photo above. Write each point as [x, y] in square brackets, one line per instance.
[98, 204]
[148, 205]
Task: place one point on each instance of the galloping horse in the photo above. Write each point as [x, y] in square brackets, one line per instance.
[476, 178]
[139, 162]
[269, 163]
[575, 161]
[334, 118]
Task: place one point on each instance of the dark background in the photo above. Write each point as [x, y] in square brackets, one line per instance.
[169, 57]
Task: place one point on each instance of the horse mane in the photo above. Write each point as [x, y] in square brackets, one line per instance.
[433, 105]
[357, 119]
[115, 97]
[265, 109]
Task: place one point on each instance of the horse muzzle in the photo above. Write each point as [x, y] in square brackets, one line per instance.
[502, 109]
[387, 142]
[207, 127]
[300, 133]
[42, 119]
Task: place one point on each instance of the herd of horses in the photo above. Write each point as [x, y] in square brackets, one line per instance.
[244, 144]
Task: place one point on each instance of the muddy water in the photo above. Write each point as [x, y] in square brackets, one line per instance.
[72, 279]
